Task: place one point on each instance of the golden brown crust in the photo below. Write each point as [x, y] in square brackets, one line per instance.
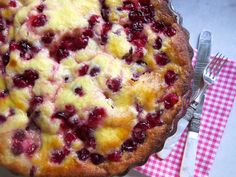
[156, 137]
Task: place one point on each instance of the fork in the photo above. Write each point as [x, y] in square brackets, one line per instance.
[210, 75]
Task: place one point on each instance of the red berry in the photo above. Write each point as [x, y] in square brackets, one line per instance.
[105, 13]
[170, 100]
[97, 158]
[88, 32]
[40, 8]
[158, 43]
[115, 156]
[83, 154]
[154, 119]
[162, 59]
[170, 77]
[137, 26]
[38, 20]
[79, 91]
[36, 100]
[95, 71]
[2, 24]
[170, 31]
[93, 20]
[158, 26]
[128, 5]
[69, 138]
[96, 116]
[58, 156]
[129, 145]
[2, 119]
[136, 15]
[17, 148]
[138, 135]
[12, 3]
[83, 70]
[4, 93]
[144, 2]
[33, 171]
[28, 78]
[5, 59]
[114, 84]
[85, 133]
[48, 37]
[31, 149]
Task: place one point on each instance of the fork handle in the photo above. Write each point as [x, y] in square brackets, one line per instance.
[199, 94]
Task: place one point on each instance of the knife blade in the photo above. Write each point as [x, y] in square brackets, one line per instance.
[204, 50]
[190, 151]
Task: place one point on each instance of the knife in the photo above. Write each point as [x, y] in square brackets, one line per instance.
[204, 48]
[190, 151]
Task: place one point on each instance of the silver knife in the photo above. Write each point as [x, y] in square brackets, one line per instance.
[190, 151]
[204, 48]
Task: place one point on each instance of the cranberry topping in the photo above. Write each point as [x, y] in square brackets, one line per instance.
[170, 77]
[2, 119]
[138, 135]
[31, 149]
[136, 15]
[143, 125]
[82, 42]
[83, 154]
[17, 148]
[27, 50]
[104, 11]
[5, 58]
[162, 59]
[170, 31]
[158, 26]
[128, 5]
[89, 33]
[36, 100]
[137, 26]
[73, 121]
[2, 38]
[170, 100]
[114, 84]
[61, 53]
[85, 133]
[38, 20]
[91, 143]
[79, 91]
[144, 2]
[48, 37]
[69, 138]
[66, 114]
[28, 78]
[95, 71]
[17, 142]
[97, 158]
[83, 70]
[96, 116]
[2, 24]
[139, 39]
[69, 43]
[129, 145]
[93, 20]
[32, 171]
[154, 119]
[105, 29]
[12, 3]
[58, 156]
[41, 8]
[115, 156]
[4, 93]
[158, 43]
[148, 13]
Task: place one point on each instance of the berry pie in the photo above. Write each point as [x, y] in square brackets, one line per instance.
[89, 88]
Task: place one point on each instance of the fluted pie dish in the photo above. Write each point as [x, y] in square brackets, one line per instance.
[89, 88]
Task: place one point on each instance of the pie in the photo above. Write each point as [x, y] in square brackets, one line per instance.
[89, 88]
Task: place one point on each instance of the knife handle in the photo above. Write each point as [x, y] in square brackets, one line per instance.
[189, 157]
[173, 140]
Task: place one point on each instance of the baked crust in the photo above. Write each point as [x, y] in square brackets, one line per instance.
[182, 53]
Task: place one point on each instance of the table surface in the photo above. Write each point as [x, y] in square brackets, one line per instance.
[219, 17]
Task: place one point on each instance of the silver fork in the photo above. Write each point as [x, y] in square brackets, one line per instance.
[210, 75]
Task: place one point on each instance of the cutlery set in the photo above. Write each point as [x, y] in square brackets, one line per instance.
[205, 74]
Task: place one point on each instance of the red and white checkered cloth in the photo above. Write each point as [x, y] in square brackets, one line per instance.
[216, 110]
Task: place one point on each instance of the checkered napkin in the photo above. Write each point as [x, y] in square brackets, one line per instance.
[216, 110]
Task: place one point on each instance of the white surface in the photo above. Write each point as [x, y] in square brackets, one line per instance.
[190, 153]
[219, 17]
